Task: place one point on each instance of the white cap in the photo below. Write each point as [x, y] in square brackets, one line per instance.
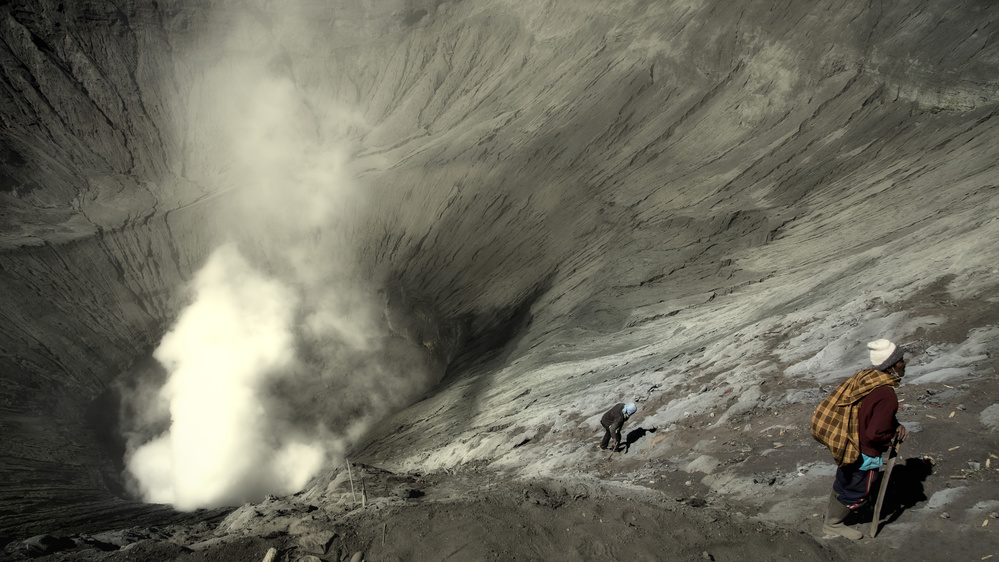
[884, 354]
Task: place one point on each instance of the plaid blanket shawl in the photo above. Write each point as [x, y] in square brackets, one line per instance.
[835, 422]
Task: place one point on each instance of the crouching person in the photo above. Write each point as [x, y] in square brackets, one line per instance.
[612, 422]
[857, 422]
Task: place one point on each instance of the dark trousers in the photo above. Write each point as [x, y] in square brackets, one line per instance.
[853, 486]
[608, 435]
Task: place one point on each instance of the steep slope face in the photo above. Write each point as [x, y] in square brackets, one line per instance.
[563, 204]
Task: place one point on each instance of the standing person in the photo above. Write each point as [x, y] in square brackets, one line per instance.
[857, 422]
[613, 420]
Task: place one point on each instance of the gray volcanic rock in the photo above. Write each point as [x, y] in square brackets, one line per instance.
[527, 211]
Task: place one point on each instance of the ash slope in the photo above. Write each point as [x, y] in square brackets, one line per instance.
[654, 202]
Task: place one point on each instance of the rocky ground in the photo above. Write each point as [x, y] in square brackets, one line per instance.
[694, 491]
[471, 515]
[736, 477]
[475, 514]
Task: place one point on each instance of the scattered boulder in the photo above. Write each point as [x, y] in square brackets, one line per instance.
[990, 417]
[91, 542]
[40, 545]
[154, 549]
[239, 520]
[122, 537]
[317, 543]
[407, 492]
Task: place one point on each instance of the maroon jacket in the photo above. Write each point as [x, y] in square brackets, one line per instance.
[876, 420]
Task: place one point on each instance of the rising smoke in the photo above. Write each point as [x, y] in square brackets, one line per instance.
[224, 444]
[284, 357]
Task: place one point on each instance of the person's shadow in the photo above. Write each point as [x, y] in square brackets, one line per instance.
[636, 434]
[905, 490]
[905, 487]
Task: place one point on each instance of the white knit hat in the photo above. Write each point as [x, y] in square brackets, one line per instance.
[884, 354]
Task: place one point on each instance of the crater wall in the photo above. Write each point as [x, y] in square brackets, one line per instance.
[535, 185]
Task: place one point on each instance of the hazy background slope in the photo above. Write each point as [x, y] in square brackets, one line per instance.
[576, 199]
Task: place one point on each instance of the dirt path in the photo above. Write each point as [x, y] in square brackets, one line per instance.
[552, 520]
[477, 515]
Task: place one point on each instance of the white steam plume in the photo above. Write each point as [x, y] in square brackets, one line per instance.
[223, 446]
[269, 376]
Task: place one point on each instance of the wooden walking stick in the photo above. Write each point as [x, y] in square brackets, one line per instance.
[892, 456]
[352, 494]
